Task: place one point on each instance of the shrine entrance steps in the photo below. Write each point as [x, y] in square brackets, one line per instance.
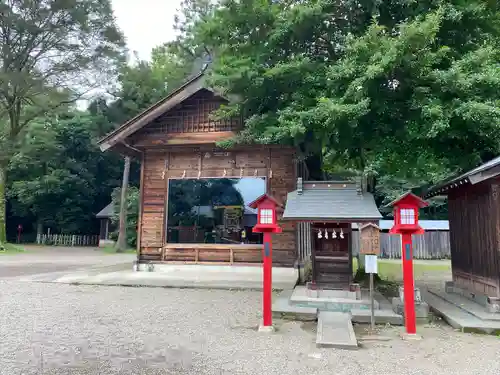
[461, 312]
[335, 311]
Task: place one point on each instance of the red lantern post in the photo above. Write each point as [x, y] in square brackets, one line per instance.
[406, 224]
[266, 224]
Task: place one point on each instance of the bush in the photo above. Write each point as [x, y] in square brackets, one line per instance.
[308, 271]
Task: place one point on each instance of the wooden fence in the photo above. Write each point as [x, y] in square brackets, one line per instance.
[67, 239]
[430, 245]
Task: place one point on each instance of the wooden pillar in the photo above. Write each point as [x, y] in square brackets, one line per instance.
[106, 230]
[313, 255]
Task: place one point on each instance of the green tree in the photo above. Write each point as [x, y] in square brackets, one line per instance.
[51, 53]
[59, 176]
[402, 89]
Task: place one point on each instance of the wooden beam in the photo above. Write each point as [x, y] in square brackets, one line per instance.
[184, 138]
[212, 246]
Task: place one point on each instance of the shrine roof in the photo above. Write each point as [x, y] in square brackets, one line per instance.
[331, 201]
[479, 174]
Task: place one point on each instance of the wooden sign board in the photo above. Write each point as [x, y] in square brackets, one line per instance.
[370, 239]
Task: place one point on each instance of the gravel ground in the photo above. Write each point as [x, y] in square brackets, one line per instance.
[65, 329]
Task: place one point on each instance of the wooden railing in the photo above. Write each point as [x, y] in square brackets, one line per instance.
[67, 239]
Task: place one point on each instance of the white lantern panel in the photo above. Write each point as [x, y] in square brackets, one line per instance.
[407, 216]
[266, 216]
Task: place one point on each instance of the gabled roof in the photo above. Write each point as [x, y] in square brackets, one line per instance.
[408, 195]
[106, 212]
[332, 201]
[481, 173]
[189, 88]
[256, 202]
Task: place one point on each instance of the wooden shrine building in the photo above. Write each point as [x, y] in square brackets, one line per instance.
[474, 217]
[327, 210]
[194, 196]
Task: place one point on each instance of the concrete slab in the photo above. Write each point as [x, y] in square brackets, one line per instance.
[301, 297]
[492, 306]
[283, 309]
[335, 331]
[459, 318]
[466, 304]
[381, 317]
[181, 276]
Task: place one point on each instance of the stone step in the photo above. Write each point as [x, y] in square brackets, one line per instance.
[382, 316]
[328, 301]
[466, 304]
[284, 310]
[335, 331]
[459, 318]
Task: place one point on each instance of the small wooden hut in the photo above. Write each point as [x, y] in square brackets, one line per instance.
[106, 226]
[326, 211]
[474, 217]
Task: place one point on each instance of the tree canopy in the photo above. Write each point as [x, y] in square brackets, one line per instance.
[400, 92]
[399, 89]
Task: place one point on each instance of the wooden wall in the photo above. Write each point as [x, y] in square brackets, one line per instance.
[275, 163]
[474, 215]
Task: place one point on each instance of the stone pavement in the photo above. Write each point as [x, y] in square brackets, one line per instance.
[50, 259]
[174, 276]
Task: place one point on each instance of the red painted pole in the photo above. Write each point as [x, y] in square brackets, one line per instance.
[409, 284]
[268, 275]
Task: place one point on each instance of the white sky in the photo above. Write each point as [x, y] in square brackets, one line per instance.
[146, 23]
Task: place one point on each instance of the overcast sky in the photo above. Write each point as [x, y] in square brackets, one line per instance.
[146, 23]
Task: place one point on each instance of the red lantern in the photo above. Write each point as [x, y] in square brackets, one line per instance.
[406, 224]
[266, 214]
[267, 224]
[406, 214]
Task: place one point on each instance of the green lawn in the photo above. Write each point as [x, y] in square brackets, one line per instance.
[9, 248]
[392, 269]
[111, 250]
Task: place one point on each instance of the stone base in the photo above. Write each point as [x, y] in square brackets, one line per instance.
[265, 329]
[329, 300]
[418, 297]
[282, 309]
[421, 310]
[492, 305]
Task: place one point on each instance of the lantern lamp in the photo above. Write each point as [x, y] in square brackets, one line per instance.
[406, 213]
[266, 214]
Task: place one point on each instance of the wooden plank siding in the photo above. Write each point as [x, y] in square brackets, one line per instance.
[275, 164]
[181, 143]
[430, 245]
[474, 217]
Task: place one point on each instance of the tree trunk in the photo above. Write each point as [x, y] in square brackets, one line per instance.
[3, 206]
[121, 243]
[39, 228]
